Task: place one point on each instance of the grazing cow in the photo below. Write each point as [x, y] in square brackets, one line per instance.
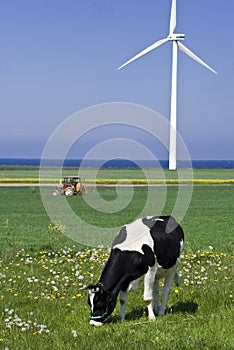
[147, 249]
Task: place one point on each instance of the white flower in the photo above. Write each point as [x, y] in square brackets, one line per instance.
[74, 333]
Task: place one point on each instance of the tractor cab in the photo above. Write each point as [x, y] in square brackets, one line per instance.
[71, 185]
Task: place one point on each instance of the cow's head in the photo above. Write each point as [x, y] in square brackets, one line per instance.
[100, 301]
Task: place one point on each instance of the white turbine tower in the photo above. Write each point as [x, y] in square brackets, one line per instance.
[176, 42]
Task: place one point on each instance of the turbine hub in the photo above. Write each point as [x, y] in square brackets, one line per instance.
[177, 37]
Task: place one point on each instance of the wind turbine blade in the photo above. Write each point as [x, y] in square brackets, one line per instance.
[173, 17]
[184, 49]
[145, 51]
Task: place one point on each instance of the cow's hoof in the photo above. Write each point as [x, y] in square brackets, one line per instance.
[161, 313]
[152, 318]
[121, 318]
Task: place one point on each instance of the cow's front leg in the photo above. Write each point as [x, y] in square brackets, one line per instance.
[123, 297]
[148, 291]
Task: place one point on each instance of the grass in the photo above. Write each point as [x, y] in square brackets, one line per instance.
[44, 307]
[33, 172]
[41, 271]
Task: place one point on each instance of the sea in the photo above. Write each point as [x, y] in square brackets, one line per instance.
[117, 163]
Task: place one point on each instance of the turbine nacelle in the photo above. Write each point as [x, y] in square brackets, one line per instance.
[177, 37]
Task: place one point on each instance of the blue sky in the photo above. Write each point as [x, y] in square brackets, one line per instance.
[58, 57]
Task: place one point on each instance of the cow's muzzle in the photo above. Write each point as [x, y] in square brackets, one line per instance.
[95, 323]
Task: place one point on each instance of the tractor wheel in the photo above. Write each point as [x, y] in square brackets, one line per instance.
[69, 191]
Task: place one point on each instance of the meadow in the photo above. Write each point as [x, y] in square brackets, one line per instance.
[27, 172]
[41, 271]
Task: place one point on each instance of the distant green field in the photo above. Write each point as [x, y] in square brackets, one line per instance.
[33, 172]
[24, 222]
[41, 271]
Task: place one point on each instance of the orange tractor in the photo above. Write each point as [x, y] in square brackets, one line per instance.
[71, 185]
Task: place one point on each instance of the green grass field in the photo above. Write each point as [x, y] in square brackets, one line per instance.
[41, 271]
[33, 172]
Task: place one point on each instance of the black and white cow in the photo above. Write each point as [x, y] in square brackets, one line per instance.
[147, 249]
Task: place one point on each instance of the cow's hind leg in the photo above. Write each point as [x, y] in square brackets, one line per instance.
[177, 278]
[156, 296]
[165, 292]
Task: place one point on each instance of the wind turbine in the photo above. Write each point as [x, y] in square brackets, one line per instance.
[176, 43]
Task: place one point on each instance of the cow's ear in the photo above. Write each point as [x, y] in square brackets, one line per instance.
[84, 288]
[92, 287]
[89, 287]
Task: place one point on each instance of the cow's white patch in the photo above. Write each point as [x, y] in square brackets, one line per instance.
[91, 299]
[137, 235]
[181, 245]
[134, 285]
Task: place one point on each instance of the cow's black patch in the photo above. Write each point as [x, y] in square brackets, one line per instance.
[123, 267]
[121, 237]
[149, 255]
[167, 241]
[150, 222]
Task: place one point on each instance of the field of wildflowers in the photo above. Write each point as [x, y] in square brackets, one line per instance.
[41, 272]
[43, 308]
